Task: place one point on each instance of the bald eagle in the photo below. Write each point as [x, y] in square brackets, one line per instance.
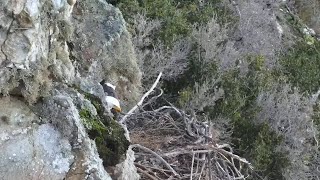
[112, 102]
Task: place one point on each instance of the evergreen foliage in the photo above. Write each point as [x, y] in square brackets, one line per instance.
[301, 65]
[177, 17]
[256, 141]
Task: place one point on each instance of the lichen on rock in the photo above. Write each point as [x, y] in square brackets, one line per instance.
[24, 140]
[52, 55]
[103, 49]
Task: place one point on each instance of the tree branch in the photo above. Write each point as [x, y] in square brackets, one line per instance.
[193, 154]
[142, 99]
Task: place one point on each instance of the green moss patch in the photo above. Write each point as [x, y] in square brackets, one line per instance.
[107, 134]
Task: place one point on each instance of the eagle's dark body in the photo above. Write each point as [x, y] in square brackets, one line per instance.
[111, 100]
[108, 90]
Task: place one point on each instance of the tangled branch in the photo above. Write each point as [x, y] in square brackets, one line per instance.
[170, 143]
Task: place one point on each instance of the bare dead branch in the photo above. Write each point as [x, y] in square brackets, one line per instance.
[192, 165]
[159, 125]
[142, 99]
[164, 171]
[201, 172]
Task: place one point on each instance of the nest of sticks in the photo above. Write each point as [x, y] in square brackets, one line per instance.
[172, 144]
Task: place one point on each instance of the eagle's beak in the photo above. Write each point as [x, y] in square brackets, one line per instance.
[118, 109]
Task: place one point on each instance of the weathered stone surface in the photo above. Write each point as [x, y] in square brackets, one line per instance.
[125, 170]
[51, 55]
[34, 148]
[62, 112]
[103, 48]
[30, 150]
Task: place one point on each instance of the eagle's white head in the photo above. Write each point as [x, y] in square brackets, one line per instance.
[111, 98]
[113, 103]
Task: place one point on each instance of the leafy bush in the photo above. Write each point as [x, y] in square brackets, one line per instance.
[255, 141]
[301, 65]
[177, 17]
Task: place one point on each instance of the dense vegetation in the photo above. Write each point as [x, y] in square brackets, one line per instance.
[255, 135]
[177, 17]
[301, 65]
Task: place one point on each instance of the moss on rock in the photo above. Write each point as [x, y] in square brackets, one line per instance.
[106, 132]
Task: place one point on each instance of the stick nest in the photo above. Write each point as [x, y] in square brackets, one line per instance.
[170, 143]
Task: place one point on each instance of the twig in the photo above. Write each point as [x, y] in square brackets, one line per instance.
[237, 157]
[154, 168]
[124, 118]
[224, 146]
[219, 148]
[163, 108]
[209, 166]
[203, 166]
[159, 157]
[221, 168]
[173, 107]
[186, 151]
[147, 174]
[192, 165]
[198, 157]
[153, 99]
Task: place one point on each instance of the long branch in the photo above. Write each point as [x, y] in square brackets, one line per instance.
[142, 99]
[191, 173]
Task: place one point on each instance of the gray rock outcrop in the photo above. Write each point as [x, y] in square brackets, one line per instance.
[52, 56]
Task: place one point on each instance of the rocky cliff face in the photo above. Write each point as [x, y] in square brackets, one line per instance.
[52, 57]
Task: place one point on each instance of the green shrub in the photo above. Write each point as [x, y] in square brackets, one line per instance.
[266, 158]
[177, 16]
[302, 66]
[256, 142]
